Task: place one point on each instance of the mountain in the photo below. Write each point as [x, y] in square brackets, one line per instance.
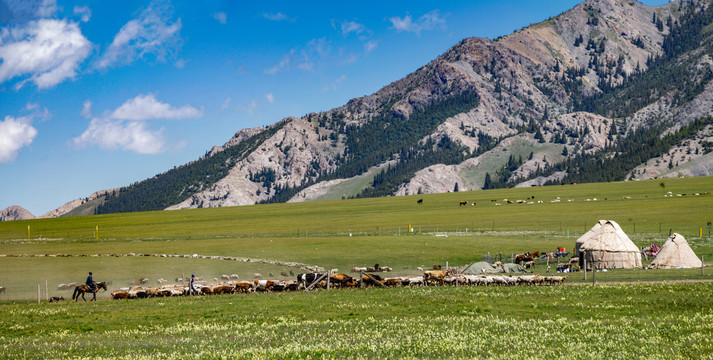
[15, 213]
[609, 90]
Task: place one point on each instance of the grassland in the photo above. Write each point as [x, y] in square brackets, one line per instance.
[317, 233]
[665, 321]
[620, 321]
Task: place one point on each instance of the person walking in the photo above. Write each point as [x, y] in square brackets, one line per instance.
[192, 290]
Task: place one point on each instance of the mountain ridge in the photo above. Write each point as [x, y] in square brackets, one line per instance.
[486, 113]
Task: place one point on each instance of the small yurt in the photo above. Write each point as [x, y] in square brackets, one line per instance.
[676, 253]
[606, 246]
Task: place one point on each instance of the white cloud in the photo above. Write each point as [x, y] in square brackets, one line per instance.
[87, 109]
[125, 128]
[333, 85]
[47, 50]
[348, 27]
[428, 21]
[146, 107]
[84, 11]
[307, 58]
[370, 46]
[132, 136]
[24, 10]
[270, 98]
[15, 133]
[222, 17]
[150, 36]
[276, 17]
[226, 103]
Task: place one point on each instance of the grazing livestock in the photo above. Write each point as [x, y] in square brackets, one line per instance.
[420, 201]
[463, 203]
[56, 299]
[120, 294]
[529, 264]
[225, 277]
[243, 287]
[308, 279]
[234, 277]
[257, 276]
[358, 269]
[292, 273]
[341, 280]
[555, 280]
[63, 287]
[283, 274]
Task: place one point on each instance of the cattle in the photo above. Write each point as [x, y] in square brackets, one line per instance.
[472, 204]
[341, 279]
[308, 278]
[243, 287]
[412, 281]
[283, 274]
[358, 269]
[223, 289]
[436, 267]
[420, 201]
[393, 281]
[264, 285]
[120, 294]
[371, 279]
[463, 203]
[225, 277]
[529, 264]
[56, 299]
[435, 276]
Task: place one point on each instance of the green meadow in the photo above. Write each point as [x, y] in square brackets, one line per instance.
[669, 320]
[342, 234]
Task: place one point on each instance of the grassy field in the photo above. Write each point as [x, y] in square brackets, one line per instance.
[619, 321]
[665, 321]
[318, 233]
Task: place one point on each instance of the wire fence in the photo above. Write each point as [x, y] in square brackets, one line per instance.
[538, 229]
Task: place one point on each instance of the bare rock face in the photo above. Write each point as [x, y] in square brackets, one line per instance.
[239, 137]
[15, 212]
[290, 155]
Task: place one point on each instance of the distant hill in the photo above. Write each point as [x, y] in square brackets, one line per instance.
[15, 213]
[609, 90]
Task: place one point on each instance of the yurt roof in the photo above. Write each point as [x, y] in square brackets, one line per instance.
[608, 236]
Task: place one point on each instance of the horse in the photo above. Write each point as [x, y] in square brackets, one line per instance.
[82, 289]
[521, 258]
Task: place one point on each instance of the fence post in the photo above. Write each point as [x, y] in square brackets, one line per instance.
[702, 273]
[38, 293]
[47, 292]
[361, 279]
[594, 277]
[585, 267]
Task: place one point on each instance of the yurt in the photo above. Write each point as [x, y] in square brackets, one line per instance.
[675, 253]
[606, 246]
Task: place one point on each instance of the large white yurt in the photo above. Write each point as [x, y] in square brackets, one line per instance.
[675, 253]
[606, 246]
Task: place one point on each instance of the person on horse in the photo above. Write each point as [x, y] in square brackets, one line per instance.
[90, 282]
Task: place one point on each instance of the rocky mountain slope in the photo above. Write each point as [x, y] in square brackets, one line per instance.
[15, 213]
[609, 90]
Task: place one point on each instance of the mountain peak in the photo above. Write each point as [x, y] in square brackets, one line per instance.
[15, 212]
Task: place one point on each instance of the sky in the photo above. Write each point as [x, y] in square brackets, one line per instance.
[101, 94]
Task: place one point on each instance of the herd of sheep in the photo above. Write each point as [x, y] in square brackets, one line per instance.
[337, 280]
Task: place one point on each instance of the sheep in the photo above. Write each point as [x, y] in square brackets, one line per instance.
[234, 277]
[555, 280]
[257, 276]
[225, 277]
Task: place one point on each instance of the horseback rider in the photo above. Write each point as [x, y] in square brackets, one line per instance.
[90, 282]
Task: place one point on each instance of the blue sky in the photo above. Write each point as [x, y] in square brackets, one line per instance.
[100, 94]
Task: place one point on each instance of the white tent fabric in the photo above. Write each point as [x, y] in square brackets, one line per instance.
[676, 253]
[606, 246]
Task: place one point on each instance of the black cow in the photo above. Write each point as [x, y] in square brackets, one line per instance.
[420, 201]
[309, 278]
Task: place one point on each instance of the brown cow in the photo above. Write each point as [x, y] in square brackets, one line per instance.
[119, 294]
[243, 287]
[463, 203]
